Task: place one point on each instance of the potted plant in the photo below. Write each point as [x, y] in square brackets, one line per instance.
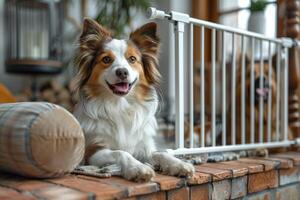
[257, 21]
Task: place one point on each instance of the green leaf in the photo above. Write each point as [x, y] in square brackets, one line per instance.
[258, 5]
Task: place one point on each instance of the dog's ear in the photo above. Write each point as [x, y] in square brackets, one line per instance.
[91, 27]
[147, 41]
[89, 44]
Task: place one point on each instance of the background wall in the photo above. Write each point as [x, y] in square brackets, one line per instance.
[167, 57]
[14, 82]
[17, 82]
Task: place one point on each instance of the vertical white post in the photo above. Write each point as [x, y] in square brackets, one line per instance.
[278, 69]
[261, 98]
[223, 89]
[213, 86]
[233, 87]
[269, 123]
[191, 87]
[252, 92]
[243, 90]
[285, 96]
[202, 92]
[179, 83]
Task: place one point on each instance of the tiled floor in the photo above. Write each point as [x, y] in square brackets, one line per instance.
[251, 177]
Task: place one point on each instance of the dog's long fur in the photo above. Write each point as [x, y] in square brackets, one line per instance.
[116, 112]
[271, 91]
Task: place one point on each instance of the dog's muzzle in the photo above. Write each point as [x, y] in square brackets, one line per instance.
[261, 91]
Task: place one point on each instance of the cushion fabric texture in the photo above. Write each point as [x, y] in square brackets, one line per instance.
[39, 139]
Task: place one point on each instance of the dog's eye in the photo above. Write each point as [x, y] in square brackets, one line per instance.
[106, 60]
[132, 59]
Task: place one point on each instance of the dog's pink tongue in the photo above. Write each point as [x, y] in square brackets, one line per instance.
[121, 87]
[262, 91]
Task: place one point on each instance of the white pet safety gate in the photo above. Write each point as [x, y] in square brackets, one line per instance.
[282, 45]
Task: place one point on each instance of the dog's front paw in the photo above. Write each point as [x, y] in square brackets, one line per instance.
[179, 168]
[138, 173]
[171, 165]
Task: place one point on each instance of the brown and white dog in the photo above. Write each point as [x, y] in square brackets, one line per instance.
[118, 101]
[269, 89]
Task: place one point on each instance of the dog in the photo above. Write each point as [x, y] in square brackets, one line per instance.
[269, 89]
[116, 82]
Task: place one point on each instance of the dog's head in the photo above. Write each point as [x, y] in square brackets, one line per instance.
[117, 67]
[263, 85]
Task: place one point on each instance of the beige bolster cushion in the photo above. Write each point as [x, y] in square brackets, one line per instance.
[39, 139]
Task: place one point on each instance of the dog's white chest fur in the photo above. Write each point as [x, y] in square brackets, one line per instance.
[119, 125]
[116, 80]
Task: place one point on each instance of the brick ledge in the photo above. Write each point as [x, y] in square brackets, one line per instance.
[256, 178]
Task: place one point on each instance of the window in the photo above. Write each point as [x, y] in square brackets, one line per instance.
[236, 13]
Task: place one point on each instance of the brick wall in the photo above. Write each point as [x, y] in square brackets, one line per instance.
[274, 178]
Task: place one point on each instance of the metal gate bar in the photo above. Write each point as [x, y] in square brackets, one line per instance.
[282, 45]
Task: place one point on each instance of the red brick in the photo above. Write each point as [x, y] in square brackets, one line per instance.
[178, 194]
[252, 167]
[239, 187]
[217, 174]
[201, 192]
[199, 178]
[131, 188]
[100, 190]
[294, 156]
[261, 181]
[156, 196]
[290, 192]
[266, 195]
[57, 192]
[221, 189]
[24, 184]
[285, 163]
[41, 188]
[268, 164]
[10, 194]
[236, 170]
[287, 176]
[168, 182]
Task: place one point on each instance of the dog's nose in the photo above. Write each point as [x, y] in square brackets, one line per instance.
[264, 80]
[122, 73]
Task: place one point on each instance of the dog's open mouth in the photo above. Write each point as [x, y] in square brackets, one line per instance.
[121, 88]
[262, 91]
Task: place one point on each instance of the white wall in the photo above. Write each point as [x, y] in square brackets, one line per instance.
[167, 57]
